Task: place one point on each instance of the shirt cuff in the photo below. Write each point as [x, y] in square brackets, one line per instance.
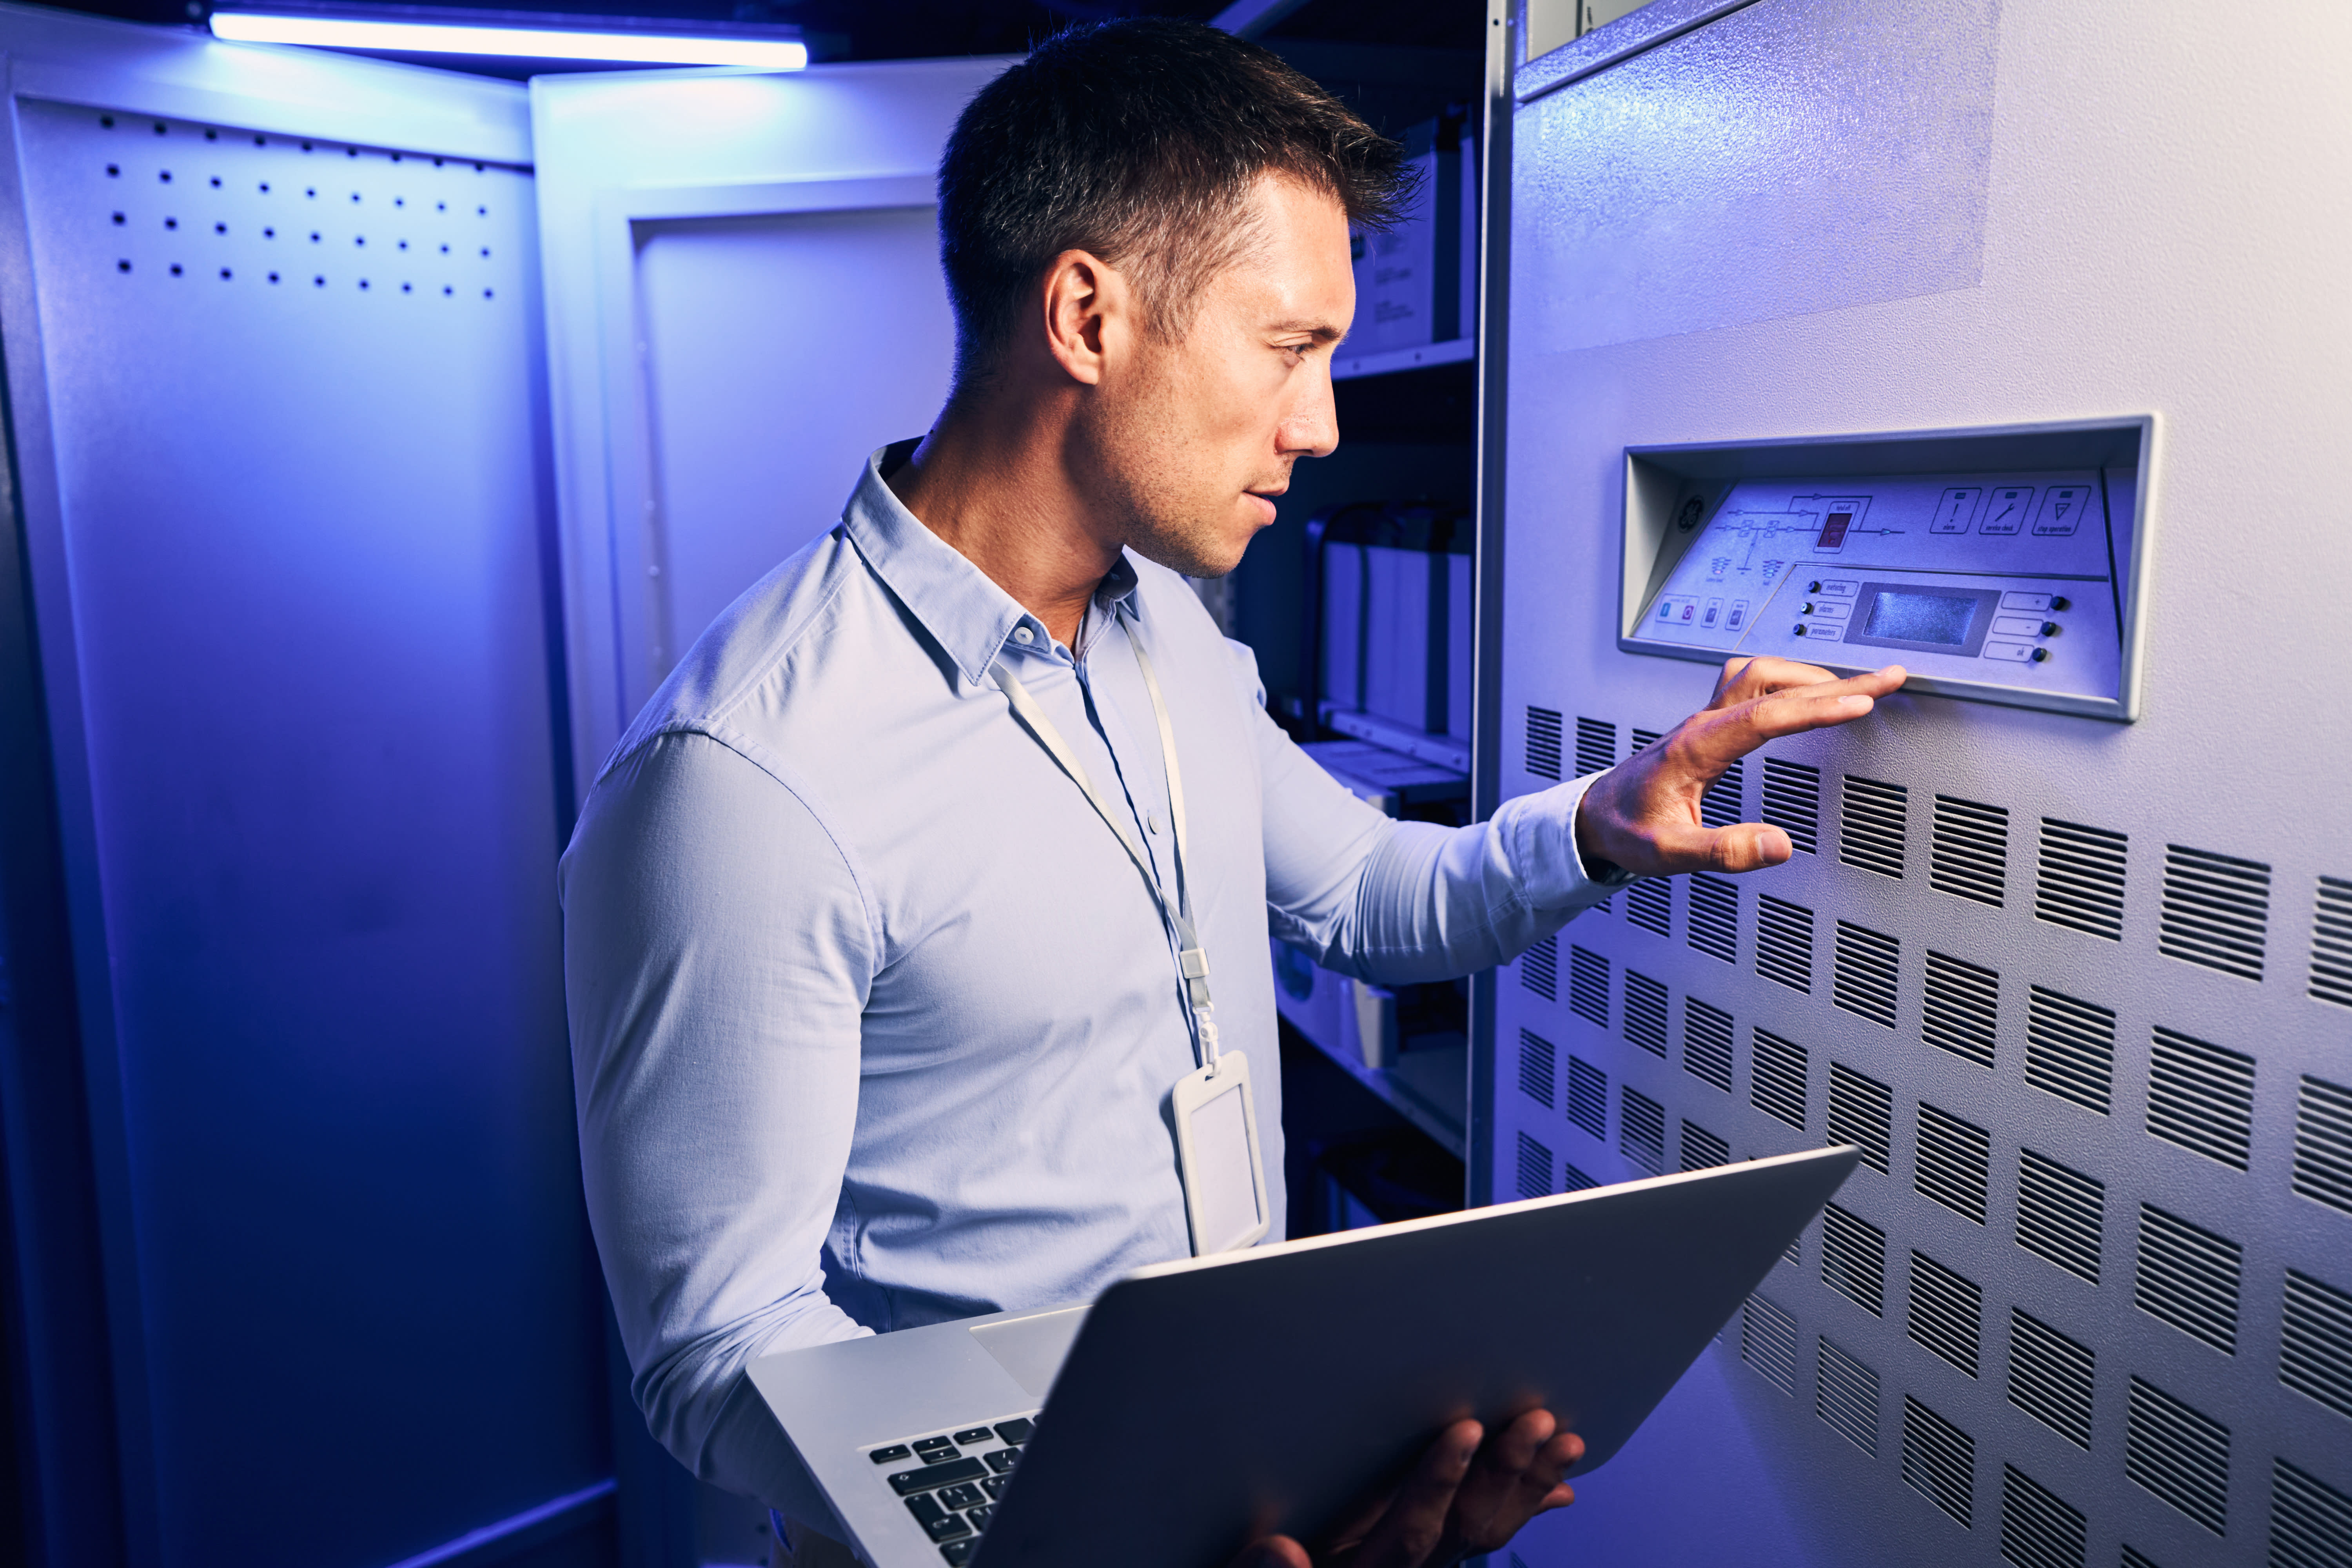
[1539, 832]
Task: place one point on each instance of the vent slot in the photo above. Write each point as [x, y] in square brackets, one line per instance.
[1963, 1005]
[1642, 740]
[2061, 1214]
[1953, 1165]
[1776, 1078]
[1572, 1179]
[2315, 1344]
[2323, 1142]
[2201, 1097]
[1720, 803]
[2039, 1529]
[1649, 903]
[1645, 1013]
[2311, 1521]
[1845, 1396]
[2217, 911]
[1939, 1461]
[1596, 747]
[1946, 1313]
[1862, 1113]
[1588, 1097]
[1969, 856]
[1538, 1068]
[1870, 832]
[1588, 986]
[1853, 1259]
[1784, 942]
[1543, 742]
[1792, 802]
[2080, 885]
[2331, 943]
[2132, 1558]
[1768, 1341]
[1540, 969]
[1535, 1168]
[2187, 1276]
[1713, 919]
[1866, 965]
[1702, 1150]
[2179, 1453]
[2070, 1048]
[1640, 1130]
[1706, 1043]
[2050, 1377]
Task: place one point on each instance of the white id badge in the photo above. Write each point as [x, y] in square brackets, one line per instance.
[1216, 1146]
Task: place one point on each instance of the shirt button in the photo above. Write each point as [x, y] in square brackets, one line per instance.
[1023, 635]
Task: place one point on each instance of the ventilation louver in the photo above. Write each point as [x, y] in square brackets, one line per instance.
[1861, 1113]
[1540, 969]
[2061, 1214]
[1720, 803]
[2217, 911]
[1946, 1313]
[1588, 1097]
[2179, 1453]
[1596, 747]
[1969, 855]
[1867, 965]
[1953, 1165]
[1588, 986]
[1645, 1013]
[2080, 882]
[2201, 1097]
[1962, 1007]
[2315, 1340]
[1706, 1043]
[1702, 1150]
[1768, 1341]
[2331, 943]
[1870, 832]
[1713, 918]
[1640, 1130]
[1776, 1077]
[1792, 802]
[1845, 1396]
[1543, 742]
[2187, 1276]
[2039, 1529]
[1853, 1259]
[1784, 942]
[1939, 1461]
[1535, 1168]
[1537, 1068]
[1649, 903]
[2050, 1377]
[2311, 1521]
[2132, 1558]
[2070, 1048]
[2323, 1142]
[1572, 1179]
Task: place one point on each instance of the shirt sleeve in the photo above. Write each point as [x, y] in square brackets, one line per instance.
[717, 954]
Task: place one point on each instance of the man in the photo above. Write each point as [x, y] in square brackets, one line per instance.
[876, 1019]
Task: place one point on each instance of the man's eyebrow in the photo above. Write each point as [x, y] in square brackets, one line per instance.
[1321, 331]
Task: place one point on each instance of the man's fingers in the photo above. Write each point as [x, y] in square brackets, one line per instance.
[1746, 679]
[1416, 1516]
[1274, 1551]
[1722, 736]
[1513, 1482]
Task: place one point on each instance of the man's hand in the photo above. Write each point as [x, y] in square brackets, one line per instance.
[1643, 815]
[1469, 1495]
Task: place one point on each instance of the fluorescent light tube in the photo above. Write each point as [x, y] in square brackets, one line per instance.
[513, 43]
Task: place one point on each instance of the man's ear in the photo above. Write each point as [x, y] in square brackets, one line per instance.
[1089, 309]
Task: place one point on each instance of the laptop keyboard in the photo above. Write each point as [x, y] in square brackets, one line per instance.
[950, 1480]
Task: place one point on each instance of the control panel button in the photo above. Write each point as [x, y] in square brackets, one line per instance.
[1828, 609]
[1714, 613]
[1738, 615]
[2005, 512]
[1833, 587]
[2021, 626]
[2061, 601]
[2037, 603]
[2016, 652]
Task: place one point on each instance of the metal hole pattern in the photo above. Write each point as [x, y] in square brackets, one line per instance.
[1784, 942]
[1721, 804]
[2178, 1453]
[2316, 1341]
[2061, 1214]
[2216, 911]
[1640, 1130]
[2039, 1529]
[2050, 1377]
[1543, 743]
[1713, 918]
[1706, 1043]
[2331, 943]
[1596, 747]
[2311, 1521]
[1792, 802]
[1649, 903]
[2070, 1048]
[1645, 1013]
[1861, 1113]
[1961, 1008]
[1845, 1396]
[2323, 1142]
[1588, 1097]
[1702, 1150]
[1953, 1162]
[2187, 1276]
[1939, 1461]
[1538, 1068]
[1967, 855]
[1768, 1341]
[1588, 986]
[1853, 1259]
[1946, 1313]
[2080, 883]
[1866, 965]
[1776, 1077]
[2201, 1097]
[1535, 1168]
[1871, 827]
[1540, 969]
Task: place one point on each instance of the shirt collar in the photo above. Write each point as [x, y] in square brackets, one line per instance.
[963, 610]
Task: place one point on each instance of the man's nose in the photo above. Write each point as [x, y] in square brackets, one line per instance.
[1312, 430]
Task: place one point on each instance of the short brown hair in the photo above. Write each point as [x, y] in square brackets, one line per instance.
[1140, 140]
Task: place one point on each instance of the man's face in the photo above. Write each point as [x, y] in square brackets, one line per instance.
[1193, 441]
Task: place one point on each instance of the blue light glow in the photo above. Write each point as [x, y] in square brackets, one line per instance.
[512, 43]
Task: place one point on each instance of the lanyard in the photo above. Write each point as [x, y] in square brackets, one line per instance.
[1192, 960]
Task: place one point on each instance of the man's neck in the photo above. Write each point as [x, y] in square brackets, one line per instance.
[992, 484]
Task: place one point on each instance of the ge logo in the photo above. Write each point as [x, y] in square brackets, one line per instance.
[1687, 518]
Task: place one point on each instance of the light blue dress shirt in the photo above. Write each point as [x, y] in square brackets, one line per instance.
[874, 1022]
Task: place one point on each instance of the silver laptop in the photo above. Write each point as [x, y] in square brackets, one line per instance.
[1195, 1403]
